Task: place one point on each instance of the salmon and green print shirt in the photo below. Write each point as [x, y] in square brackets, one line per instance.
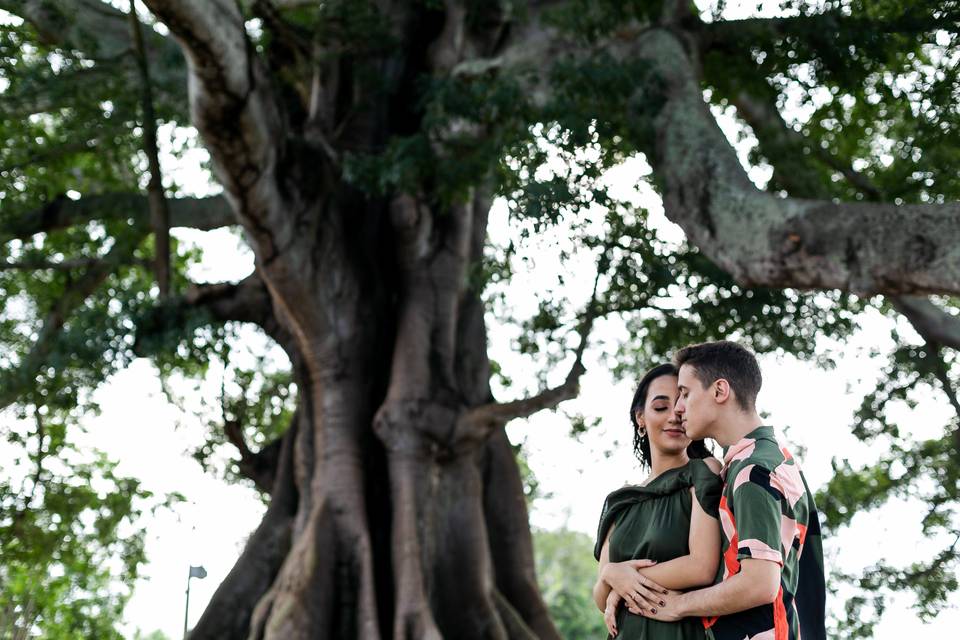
[767, 512]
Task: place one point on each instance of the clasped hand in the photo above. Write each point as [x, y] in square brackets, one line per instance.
[641, 595]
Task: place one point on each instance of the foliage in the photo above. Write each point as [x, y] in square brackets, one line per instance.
[71, 527]
[71, 535]
[925, 470]
[261, 402]
[156, 635]
[566, 572]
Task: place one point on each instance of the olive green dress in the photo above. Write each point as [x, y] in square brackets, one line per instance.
[653, 522]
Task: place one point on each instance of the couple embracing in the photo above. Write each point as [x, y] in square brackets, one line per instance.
[702, 549]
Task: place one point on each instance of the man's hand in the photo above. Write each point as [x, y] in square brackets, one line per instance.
[610, 613]
[638, 592]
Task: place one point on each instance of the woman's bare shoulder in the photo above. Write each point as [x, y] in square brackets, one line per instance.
[713, 464]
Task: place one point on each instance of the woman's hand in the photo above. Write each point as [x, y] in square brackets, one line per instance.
[668, 611]
[625, 579]
[610, 613]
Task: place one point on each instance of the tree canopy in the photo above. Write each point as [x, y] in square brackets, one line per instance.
[359, 146]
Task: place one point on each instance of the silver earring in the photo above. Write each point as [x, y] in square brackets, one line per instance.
[643, 432]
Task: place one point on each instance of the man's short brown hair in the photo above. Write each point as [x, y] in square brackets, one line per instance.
[728, 360]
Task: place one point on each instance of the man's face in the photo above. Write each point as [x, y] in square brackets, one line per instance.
[695, 405]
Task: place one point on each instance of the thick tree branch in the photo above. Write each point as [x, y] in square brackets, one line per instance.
[770, 127]
[46, 153]
[100, 32]
[778, 140]
[91, 26]
[234, 109]
[763, 240]
[930, 321]
[13, 382]
[260, 466]
[244, 301]
[196, 213]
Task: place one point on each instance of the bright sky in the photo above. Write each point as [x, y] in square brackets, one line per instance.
[138, 428]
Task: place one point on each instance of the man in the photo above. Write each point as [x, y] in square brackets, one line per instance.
[770, 583]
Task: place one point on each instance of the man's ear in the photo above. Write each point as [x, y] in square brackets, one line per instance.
[721, 391]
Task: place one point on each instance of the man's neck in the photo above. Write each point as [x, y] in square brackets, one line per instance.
[733, 428]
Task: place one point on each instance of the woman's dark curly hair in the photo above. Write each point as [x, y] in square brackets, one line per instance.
[641, 445]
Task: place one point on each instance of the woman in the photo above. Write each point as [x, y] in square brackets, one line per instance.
[671, 518]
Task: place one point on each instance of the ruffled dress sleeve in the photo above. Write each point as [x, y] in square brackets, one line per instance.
[707, 487]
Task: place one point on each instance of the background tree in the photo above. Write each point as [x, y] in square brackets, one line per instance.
[360, 145]
[71, 535]
[564, 565]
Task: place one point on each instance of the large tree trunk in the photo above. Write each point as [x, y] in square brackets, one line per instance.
[396, 513]
[405, 516]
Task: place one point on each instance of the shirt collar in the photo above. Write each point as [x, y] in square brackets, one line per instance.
[759, 433]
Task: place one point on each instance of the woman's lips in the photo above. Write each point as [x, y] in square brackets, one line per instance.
[677, 433]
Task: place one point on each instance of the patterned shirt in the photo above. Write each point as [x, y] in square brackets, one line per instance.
[767, 512]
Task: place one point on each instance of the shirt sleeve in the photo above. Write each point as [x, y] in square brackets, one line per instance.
[759, 515]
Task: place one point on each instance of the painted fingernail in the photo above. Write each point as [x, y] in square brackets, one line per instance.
[653, 610]
[664, 592]
[662, 603]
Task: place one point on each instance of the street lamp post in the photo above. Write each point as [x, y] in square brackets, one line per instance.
[195, 572]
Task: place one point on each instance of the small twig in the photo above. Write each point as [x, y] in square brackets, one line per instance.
[940, 371]
[157, 201]
[36, 265]
[503, 412]
[41, 436]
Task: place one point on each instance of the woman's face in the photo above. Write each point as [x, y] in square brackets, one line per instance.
[663, 427]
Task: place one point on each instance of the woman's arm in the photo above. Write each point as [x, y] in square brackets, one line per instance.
[620, 578]
[601, 589]
[699, 567]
